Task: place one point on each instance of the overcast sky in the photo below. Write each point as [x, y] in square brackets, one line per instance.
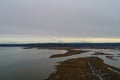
[66, 18]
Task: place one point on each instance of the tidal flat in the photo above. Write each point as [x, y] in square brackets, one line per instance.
[17, 63]
[89, 68]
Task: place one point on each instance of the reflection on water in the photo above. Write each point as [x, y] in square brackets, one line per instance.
[26, 64]
[35, 64]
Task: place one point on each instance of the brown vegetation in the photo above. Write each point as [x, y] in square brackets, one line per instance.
[68, 53]
[91, 68]
[100, 53]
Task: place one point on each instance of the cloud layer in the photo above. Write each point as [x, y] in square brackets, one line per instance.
[68, 18]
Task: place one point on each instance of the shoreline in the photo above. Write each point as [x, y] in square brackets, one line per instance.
[69, 52]
[87, 68]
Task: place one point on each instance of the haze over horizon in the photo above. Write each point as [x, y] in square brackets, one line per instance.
[59, 20]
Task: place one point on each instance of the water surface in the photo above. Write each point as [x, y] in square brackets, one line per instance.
[34, 64]
[26, 64]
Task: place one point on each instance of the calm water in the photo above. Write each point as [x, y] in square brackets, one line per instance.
[26, 64]
[34, 64]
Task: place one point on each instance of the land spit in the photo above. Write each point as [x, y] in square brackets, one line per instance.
[101, 53]
[89, 68]
[68, 53]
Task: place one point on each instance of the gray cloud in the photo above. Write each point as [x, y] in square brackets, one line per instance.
[79, 18]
